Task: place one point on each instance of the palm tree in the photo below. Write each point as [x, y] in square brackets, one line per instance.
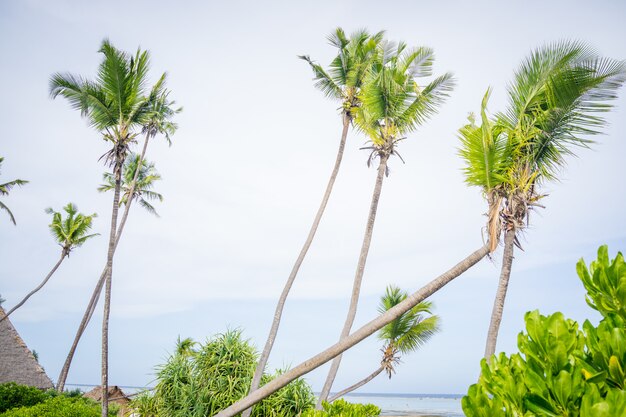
[145, 180]
[118, 105]
[393, 104]
[342, 82]
[555, 103]
[403, 335]
[357, 336]
[69, 233]
[159, 114]
[5, 189]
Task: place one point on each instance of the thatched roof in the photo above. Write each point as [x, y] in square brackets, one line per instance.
[17, 363]
[116, 395]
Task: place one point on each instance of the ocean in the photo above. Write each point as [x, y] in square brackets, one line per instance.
[435, 405]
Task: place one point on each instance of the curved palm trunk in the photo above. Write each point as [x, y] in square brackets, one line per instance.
[107, 290]
[498, 304]
[21, 303]
[356, 337]
[356, 286]
[95, 296]
[357, 385]
[258, 373]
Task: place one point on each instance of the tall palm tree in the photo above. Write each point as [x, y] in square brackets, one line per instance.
[358, 335]
[342, 82]
[393, 104]
[5, 189]
[146, 177]
[69, 233]
[403, 335]
[555, 105]
[117, 104]
[159, 114]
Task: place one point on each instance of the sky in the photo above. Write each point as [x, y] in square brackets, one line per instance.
[247, 169]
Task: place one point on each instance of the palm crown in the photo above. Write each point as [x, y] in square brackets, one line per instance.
[556, 101]
[5, 189]
[393, 104]
[72, 231]
[117, 102]
[406, 333]
[344, 79]
[146, 177]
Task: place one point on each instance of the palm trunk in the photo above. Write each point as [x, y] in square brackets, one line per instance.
[107, 290]
[256, 380]
[357, 385]
[95, 296]
[63, 255]
[356, 286]
[498, 304]
[356, 337]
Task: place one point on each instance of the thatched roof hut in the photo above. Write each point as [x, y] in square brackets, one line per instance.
[17, 363]
[116, 396]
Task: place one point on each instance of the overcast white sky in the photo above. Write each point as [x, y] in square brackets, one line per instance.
[247, 169]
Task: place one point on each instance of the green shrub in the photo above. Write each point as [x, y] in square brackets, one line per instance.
[342, 408]
[204, 380]
[13, 395]
[561, 369]
[60, 406]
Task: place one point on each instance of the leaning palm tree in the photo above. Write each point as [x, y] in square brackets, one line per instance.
[146, 177]
[555, 105]
[342, 82]
[117, 104]
[393, 104]
[403, 335]
[5, 189]
[69, 232]
[159, 114]
[358, 335]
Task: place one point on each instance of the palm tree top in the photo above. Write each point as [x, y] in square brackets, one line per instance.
[393, 103]
[346, 72]
[72, 231]
[412, 329]
[146, 178]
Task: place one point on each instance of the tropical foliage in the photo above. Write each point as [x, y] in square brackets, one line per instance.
[563, 369]
[342, 82]
[202, 379]
[118, 104]
[69, 232]
[403, 335]
[61, 406]
[145, 179]
[13, 395]
[342, 408]
[392, 105]
[4, 191]
[556, 103]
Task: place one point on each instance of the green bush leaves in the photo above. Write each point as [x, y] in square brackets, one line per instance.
[561, 369]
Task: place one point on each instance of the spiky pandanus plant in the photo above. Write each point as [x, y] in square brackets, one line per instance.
[342, 82]
[5, 189]
[403, 335]
[556, 101]
[70, 232]
[119, 105]
[393, 105]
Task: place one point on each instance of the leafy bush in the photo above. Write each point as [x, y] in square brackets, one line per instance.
[60, 406]
[202, 381]
[342, 408]
[563, 370]
[13, 395]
